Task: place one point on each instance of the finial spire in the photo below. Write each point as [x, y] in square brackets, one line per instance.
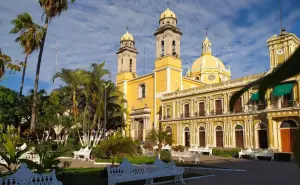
[127, 27]
[206, 31]
[280, 17]
[167, 4]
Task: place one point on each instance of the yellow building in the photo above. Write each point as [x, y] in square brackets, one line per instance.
[195, 108]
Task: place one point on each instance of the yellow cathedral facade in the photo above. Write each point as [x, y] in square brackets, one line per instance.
[194, 108]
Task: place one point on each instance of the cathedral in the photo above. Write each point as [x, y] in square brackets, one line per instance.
[194, 108]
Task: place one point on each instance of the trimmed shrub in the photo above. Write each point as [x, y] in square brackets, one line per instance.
[166, 156]
[139, 150]
[224, 152]
[97, 152]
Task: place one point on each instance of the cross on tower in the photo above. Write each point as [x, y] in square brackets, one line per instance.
[127, 27]
[167, 4]
[206, 30]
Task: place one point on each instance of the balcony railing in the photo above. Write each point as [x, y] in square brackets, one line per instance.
[200, 113]
[167, 117]
[216, 112]
[259, 107]
[283, 104]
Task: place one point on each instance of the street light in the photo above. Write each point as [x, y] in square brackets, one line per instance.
[105, 100]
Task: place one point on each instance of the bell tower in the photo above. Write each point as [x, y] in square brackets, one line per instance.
[167, 36]
[127, 54]
[281, 47]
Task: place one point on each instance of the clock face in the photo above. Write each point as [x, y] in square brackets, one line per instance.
[279, 52]
[211, 77]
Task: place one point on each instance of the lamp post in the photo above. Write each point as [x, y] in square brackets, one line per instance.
[105, 102]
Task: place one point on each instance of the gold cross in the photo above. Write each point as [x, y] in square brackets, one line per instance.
[206, 30]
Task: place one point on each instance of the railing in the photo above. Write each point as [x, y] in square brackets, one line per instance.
[200, 113]
[166, 117]
[238, 110]
[287, 103]
[217, 112]
[283, 104]
[258, 107]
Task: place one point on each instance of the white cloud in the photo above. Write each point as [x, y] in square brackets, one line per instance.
[90, 31]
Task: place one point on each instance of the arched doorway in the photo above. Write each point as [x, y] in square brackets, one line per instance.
[239, 136]
[169, 135]
[187, 137]
[202, 136]
[219, 136]
[262, 136]
[288, 130]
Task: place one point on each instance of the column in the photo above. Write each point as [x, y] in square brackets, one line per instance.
[174, 110]
[270, 132]
[192, 107]
[268, 98]
[162, 112]
[298, 92]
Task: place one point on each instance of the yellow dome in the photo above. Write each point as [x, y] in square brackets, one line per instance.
[207, 62]
[127, 36]
[167, 13]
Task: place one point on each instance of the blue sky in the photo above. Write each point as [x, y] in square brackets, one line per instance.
[90, 31]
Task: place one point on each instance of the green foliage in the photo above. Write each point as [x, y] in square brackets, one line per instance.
[11, 108]
[48, 159]
[98, 153]
[226, 152]
[11, 156]
[166, 156]
[6, 62]
[131, 159]
[116, 145]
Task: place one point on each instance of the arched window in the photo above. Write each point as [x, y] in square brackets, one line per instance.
[173, 48]
[239, 136]
[187, 136]
[168, 113]
[142, 91]
[169, 135]
[162, 48]
[130, 65]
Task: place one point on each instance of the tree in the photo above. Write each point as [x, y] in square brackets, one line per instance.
[285, 71]
[117, 144]
[30, 35]
[51, 9]
[6, 62]
[11, 109]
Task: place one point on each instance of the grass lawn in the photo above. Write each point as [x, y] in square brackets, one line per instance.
[91, 176]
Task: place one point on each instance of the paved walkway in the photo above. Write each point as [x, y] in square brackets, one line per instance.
[258, 172]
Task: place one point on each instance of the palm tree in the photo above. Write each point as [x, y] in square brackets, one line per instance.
[285, 71]
[51, 8]
[73, 81]
[30, 35]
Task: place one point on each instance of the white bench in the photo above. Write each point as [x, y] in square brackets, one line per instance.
[186, 154]
[264, 153]
[127, 172]
[201, 150]
[86, 153]
[24, 176]
[167, 147]
[248, 152]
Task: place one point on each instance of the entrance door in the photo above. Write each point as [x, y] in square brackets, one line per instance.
[187, 137]
[263, 139]
[219, 136]
[287, 132]
[239, 138]
[140, 130]
[238, 105]
[202, 136]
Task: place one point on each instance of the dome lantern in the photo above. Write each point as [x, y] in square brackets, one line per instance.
[127, 37]
[168, 14]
